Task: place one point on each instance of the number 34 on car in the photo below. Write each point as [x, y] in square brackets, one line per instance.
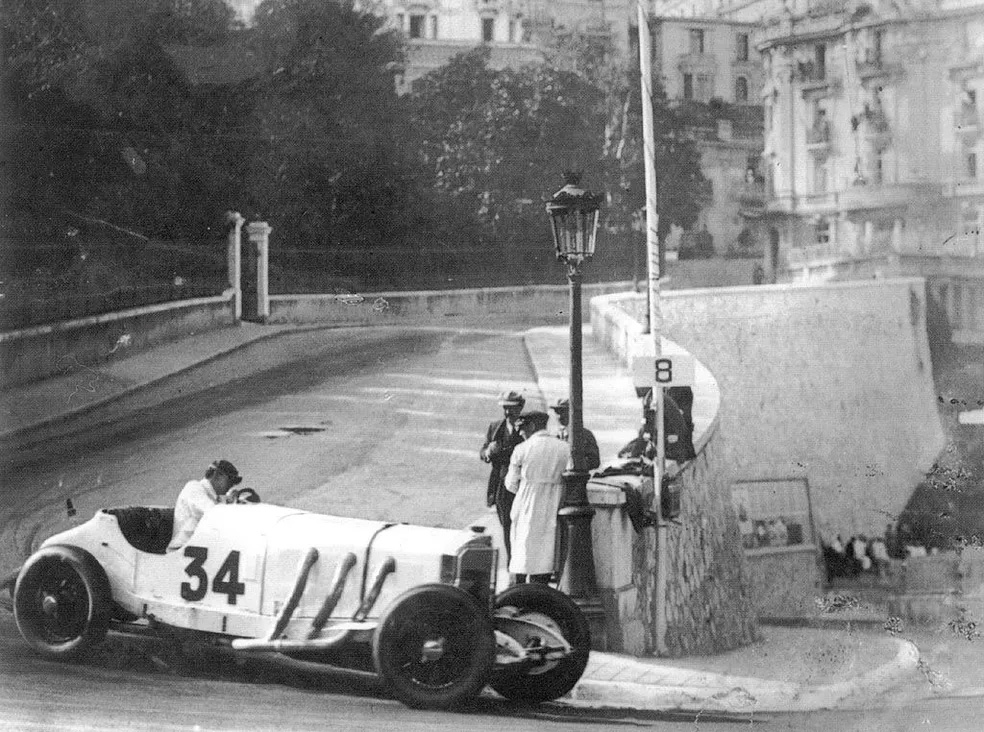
[418, 604]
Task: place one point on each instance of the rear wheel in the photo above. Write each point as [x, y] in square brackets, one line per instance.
[533, 615]
[62, 602]
[434, 647]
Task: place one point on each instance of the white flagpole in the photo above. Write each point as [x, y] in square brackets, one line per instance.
[655, 310]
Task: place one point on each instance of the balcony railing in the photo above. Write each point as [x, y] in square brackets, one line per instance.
[814, 253]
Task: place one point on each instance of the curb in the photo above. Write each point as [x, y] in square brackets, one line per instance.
[716, 692]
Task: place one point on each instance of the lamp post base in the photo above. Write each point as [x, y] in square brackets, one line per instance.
[577, 570]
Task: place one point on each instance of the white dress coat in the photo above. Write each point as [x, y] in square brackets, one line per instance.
[194, 500]
[534, 475]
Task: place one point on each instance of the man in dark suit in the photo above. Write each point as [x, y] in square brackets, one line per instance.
[592, 456]
[501, 439]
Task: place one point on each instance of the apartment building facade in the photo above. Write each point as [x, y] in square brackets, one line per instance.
[712, 71]
[516, 32]
[873, 147]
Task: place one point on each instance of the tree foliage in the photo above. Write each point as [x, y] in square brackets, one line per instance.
[106, 125]
[681, 187]
[329, 167]
[501, 139]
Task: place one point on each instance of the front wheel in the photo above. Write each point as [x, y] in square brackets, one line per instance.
[434, 647]
[534, 615]
[62, 602]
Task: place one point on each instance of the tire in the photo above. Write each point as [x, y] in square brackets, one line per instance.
[62, 602]
[551, 679]
[434, 647]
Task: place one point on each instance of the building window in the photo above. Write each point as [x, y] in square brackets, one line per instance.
[688, 86]
[696, 40]
[512, 30]
[968, 108]
[877, 39]
[878, 169]
[820, 177]
[704, 88]
[488, 30]
[399, 21]
[970, 223]
[742, 44]
[433, 26]
[822, 230]
[741, 89]
[820, 59]
[972, 165]
[417, 26]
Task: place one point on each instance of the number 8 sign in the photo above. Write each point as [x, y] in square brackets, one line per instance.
[675, 369]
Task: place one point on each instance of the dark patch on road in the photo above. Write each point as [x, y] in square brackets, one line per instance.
[303, 430]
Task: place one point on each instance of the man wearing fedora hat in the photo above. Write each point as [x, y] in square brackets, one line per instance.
[592, 455]
[200, 495]
[501, 439]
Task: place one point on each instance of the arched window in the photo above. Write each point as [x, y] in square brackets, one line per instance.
[741, 89]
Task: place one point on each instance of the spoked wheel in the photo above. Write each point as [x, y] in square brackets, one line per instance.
[434, 647]
[62, 602]
[537, 616]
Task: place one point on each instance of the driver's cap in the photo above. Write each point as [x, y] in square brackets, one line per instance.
[224, 466]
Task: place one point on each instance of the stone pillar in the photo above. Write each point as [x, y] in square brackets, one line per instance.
[235, 260]
[259, 237]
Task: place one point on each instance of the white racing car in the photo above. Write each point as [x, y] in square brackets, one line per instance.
[419, 601]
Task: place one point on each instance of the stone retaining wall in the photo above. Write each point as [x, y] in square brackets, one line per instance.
[832, 383]
[32, 354]
[707, 604]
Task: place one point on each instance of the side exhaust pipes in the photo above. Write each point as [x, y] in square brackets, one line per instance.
[313, 641]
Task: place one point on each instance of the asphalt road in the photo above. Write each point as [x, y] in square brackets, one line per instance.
[380, 424]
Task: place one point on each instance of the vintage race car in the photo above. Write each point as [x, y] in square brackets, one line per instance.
[417, 603]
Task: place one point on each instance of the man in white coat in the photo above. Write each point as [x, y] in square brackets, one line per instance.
[535, 476]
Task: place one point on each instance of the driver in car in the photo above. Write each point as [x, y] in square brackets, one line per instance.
[199, 495]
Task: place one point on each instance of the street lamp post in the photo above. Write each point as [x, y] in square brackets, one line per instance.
[574, 219]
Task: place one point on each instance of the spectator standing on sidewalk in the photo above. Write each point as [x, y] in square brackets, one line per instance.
[501, 439]
[592, 456]
[535, 476]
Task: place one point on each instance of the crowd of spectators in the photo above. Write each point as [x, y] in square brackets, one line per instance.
[861, 555]
[776, 532]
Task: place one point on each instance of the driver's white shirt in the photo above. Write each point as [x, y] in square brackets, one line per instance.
[194, 500]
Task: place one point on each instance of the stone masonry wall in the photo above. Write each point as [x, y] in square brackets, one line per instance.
[832, 383]
[706, 604]
[708, 601]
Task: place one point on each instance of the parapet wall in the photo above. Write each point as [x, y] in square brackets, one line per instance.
[31, 354]
[686, 588]
[388, 308]
[832, 383]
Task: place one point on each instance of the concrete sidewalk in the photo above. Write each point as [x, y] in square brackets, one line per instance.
[790, 669]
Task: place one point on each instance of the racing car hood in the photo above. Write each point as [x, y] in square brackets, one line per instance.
[416, 551]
